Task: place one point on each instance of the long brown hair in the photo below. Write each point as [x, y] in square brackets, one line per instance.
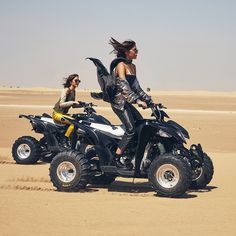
[68, 80]
[121, 48]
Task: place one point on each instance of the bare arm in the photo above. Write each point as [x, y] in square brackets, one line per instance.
[142, 95]
[120, 70]
[123, 85]
[63, 102]
[124, 88]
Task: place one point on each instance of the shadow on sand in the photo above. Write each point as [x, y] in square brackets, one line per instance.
[136, 188]
[124, 187]
[203, 190]
[130, 187]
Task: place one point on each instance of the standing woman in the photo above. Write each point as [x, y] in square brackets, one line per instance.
[66, 101]
[128, 92]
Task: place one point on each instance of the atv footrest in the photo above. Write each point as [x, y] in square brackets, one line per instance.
[126, 173]
[56, 149]
[109, 169]
[117, 171]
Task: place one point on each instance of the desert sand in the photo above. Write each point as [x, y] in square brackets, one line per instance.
[29, 204]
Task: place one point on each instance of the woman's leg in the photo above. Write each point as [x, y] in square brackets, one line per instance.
[136, 114]
[58, 117]
[127, 120]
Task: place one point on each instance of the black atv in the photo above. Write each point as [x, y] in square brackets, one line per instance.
[28, 150]
[156, 153]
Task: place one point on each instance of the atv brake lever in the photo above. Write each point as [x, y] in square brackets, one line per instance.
[92, 105]
[160, 105]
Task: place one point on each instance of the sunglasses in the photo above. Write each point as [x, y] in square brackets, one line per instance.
[135, 50]
[78, 81]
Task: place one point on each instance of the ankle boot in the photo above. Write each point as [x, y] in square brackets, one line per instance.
[120, 164]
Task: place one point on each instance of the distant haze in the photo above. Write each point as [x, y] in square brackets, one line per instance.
[183, 45]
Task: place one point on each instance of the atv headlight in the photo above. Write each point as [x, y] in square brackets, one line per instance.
[163, 134]
[181, 135]
[33, 125]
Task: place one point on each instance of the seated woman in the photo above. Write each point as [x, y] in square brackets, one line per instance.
[66, 101]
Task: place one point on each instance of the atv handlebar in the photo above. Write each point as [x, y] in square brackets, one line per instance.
[83, 105]
[26, 116]
[88, 107]
[157, 111]
[161, 106]
[157, 105]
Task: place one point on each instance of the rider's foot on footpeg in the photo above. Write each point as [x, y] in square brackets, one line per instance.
[64, 143]
[120, 165]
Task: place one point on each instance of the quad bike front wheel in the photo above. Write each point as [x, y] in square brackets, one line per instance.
[69, 171]
[170, 175]
[26, 150]
[202, 174]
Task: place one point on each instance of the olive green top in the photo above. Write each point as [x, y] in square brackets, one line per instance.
[65, 102]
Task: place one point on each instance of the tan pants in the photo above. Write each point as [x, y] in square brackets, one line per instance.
[58, 117]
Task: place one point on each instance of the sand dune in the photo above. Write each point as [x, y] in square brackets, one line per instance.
[31, 206]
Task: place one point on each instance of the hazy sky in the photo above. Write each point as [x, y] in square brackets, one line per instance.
[183, 44]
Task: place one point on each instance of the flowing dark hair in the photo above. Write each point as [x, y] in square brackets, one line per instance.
[121, 48]
[68, 80]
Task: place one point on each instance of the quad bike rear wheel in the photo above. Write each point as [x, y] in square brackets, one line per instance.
[26, 150]
[69, 171]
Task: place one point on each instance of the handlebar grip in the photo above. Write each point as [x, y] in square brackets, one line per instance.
[160, 105]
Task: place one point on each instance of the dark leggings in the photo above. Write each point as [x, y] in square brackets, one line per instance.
[128, 116]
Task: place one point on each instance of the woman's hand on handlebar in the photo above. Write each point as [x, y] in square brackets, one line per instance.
[77, 104]
[142, 104]
[158, 105]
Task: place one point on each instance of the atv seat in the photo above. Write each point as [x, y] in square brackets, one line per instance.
[46, 115]
[52, 122]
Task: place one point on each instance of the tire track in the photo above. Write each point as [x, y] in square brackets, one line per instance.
[27, 188]
[5, 162]
[30, 179]
[16, 184]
